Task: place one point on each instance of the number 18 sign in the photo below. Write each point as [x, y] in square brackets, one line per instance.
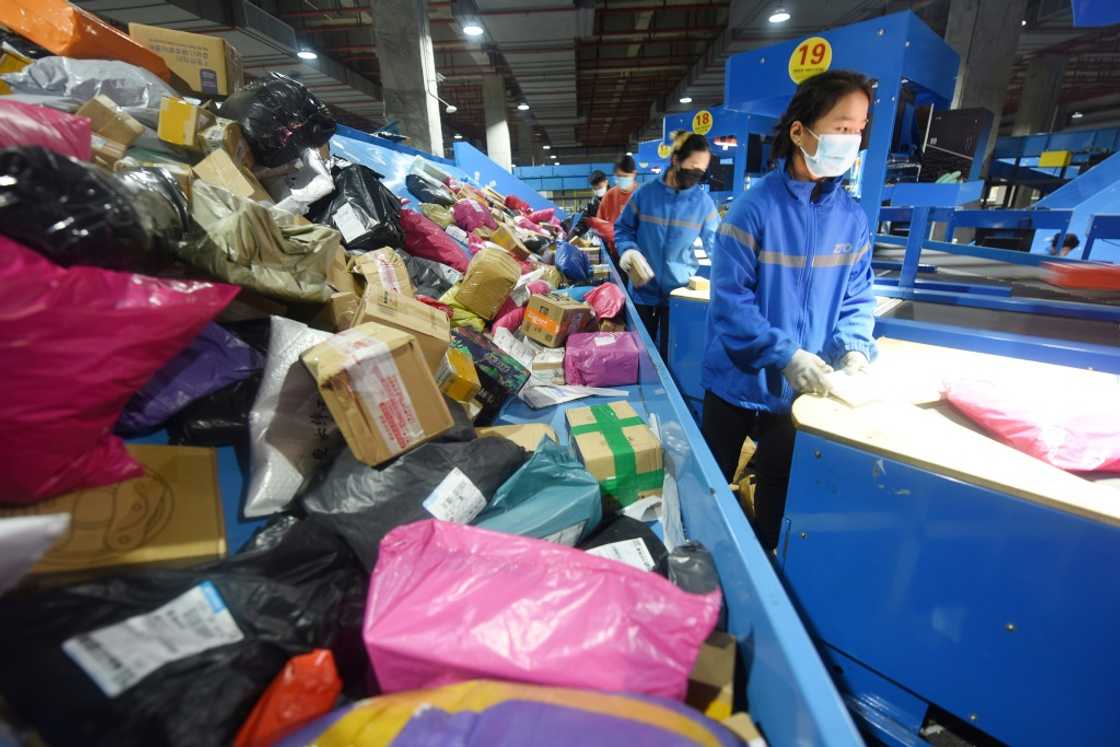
[811, 57]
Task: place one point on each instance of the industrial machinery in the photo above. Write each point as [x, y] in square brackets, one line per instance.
[737, 143]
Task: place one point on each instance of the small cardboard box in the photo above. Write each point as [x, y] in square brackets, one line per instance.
[105, 152]
[225, 134]
[619, 449]
[506, 238]
[219, 169]
[527, 435]
[181, 122]
[207, 64]
[548, 366]
[711, 684]
[11, 61]
[379, 390]
[171, 515]
[499, 373]
[600, 273]
[550, 319]
[383, 269]
[553, 277]
[698, 283]
[110, 121]
[457, 377]
[489, 279]
[429, 325]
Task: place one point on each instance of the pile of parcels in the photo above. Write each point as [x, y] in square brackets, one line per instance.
[186, 266]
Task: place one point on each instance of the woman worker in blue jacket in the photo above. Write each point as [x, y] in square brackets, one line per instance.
[791, 288]
[655, 234]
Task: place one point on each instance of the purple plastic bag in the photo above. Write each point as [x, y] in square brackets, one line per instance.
[215, 359]
[602, 359]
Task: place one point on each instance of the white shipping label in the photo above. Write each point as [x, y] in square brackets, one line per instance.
[567, 536]
[387, 274]
[348, 222]
[118, 656]
[604, 340]
[455, 499]
[631, 552]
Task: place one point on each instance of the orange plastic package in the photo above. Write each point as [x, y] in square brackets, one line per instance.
[305, 689]
[72, 32]
[1090, 276]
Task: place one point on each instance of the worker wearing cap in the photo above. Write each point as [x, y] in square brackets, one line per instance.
[791, 289]
[656, 233]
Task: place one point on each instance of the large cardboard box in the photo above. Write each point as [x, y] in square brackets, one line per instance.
[181, 122]
[110, 121]
[711, 684]
[618, 448]
[207, 64]
[490, 278]
[172, 515]
[429, 325]
[379, 390]
[526, 435]
[457, 377]
[219, 169]
[550, 319]
[499, 373]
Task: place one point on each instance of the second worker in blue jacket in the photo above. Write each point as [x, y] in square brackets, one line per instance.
[791, 289]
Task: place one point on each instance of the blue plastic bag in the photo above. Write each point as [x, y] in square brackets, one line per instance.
[572, 263]
[550, 497]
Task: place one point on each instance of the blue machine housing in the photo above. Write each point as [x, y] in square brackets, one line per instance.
[721, 123]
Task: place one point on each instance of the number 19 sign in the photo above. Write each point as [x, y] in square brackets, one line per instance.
[811, 57]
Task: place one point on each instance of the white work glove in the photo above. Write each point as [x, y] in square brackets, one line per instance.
[853, 362]
[634, 264]
[806, 373]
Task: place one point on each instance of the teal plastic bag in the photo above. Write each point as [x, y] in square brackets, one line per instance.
[550, 497]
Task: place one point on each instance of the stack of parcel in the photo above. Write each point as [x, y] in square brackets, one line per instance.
[188, 273]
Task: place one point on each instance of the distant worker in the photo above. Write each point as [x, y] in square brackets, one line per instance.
[598, 190]
[625, 181]
[791, 288]
[1069, 243]
[656, 233]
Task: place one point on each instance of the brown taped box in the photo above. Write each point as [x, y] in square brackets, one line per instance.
[219, 169]
[207, 64]
[172, 515]
[383, 269]
[489, 279]
[110, 121]
[596, 453]
[429, 325]
[225, 134]
[550, 319]
[379, 390]
[527, 435]
[506, 238]
[711, 684]
[105, 152]
[181, 122]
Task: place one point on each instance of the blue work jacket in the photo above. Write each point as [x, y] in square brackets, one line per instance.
[662, 223]
[788, 272]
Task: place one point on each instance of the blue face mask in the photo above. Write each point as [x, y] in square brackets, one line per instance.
[624, 182]
[836, 152]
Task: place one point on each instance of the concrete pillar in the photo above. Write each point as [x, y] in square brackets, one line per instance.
[408, 70]
[985, 34]
[1042, 86]
[527, 153]
[497, 129]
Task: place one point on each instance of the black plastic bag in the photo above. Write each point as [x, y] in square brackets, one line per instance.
[462, 430]
[304, 592]
[365, 211]
[279, 117]
[690, 567]
[426, 190]
[219, 419]
[621, 528]
[364, 503]
[428, 277]
[74, 213]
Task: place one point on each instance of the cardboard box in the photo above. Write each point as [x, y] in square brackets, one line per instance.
[457, 377]
[225, 134]
[550, 319]
[429, 325]
[711, 684]
[698, 283]
[527, 435]
[613, 325]
[207, 64]
[600, 273]
[500, 374]
[383, 269]
[105, 152]
[619, 449]
[181, 122]
[548, 366]
[506, 238]
[379, 390]
[553, 277]
[593, 253]
[110, 121]
[219, 169]
[11, 61]
[489, 279]
[172, 515]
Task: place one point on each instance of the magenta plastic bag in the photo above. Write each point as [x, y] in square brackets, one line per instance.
[469, 215]
[602, 359]
[425, 239]
[1074, 429]
[26, 124]
[449, 603]
[215, 359]
[606, 301]
[75, 345]
[510, 319]
[542, 216]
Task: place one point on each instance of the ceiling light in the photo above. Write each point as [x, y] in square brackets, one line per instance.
[473, 29]
[1076, 115]
[451, 109]
[781, 15]
[629, 153]
[458, 136]
[522, 107]
[686, 99]
[307, 54]
[553, 156]
[1023, 22]
[546, 147]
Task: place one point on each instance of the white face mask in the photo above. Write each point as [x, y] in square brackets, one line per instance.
[836, 152]
[624, 182]
[600, 191]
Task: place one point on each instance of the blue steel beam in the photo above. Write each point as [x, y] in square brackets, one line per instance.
[1046, 307]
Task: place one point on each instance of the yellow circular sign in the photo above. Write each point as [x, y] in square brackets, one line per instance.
[811, 57]
[702, 122]
[664, 150]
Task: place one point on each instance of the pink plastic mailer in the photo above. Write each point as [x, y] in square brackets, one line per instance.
[606, 301]
[75, 345]
[425, 239]
[26, 124]
[602, 359]
[469, 215]
[1075, 429]
[449, 603]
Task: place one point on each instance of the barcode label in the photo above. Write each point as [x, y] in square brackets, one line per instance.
[118, 656]
[631, 552]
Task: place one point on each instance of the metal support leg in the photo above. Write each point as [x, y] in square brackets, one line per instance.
[919, 231]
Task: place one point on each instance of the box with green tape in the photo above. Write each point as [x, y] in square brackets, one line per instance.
[618, 448]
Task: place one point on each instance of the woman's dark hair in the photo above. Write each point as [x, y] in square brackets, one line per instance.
[596, 177]
[813, 99]
[626, 165]
[686, 143]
